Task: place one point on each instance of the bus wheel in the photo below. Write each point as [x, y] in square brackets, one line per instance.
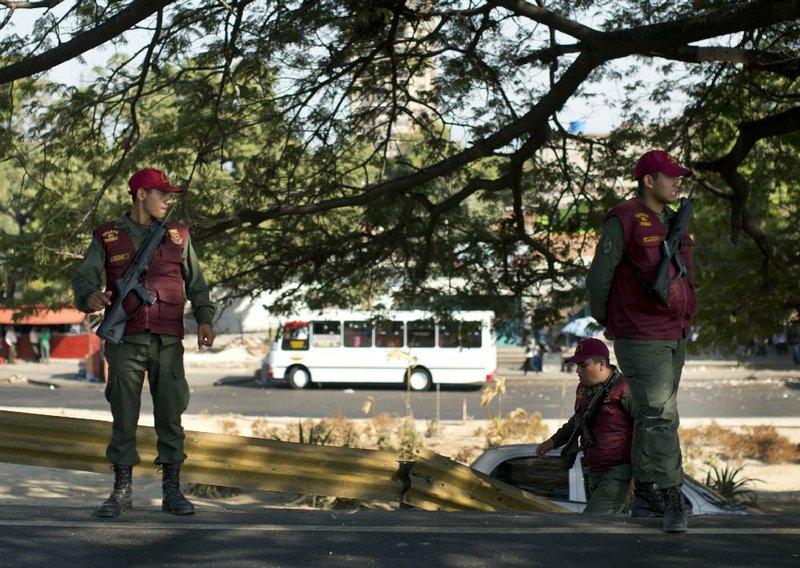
[298, 377]
[420, 379]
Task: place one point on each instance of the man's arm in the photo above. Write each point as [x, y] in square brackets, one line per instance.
[197, 293]
[607, 255]
[88, 280]
[558, 439]
[628, 404]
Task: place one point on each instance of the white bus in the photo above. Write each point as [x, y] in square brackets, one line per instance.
[391, 347]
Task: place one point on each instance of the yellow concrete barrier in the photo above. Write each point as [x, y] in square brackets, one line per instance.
[441, 484]
[429, 481]
[218, 459]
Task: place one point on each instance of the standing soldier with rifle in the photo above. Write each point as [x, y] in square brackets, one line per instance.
[148, 265]
[602, 427]
[641, 288]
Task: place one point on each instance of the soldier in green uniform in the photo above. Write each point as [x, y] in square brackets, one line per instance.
[649, 338]
[152, 342]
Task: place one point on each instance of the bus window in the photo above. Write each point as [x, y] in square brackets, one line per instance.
[295, 336]
[421, 333]
[389, 333]
[327, 334]
[448, 334]
[470, 334]
[357, 334]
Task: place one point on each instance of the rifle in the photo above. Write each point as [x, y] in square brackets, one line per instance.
[570, 450]
[113, 326]
[670, 252]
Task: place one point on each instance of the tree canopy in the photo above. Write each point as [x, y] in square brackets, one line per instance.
[339, 150]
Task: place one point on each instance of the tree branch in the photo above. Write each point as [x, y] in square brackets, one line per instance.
[83, 42]
[771, 62]
[529, 122]
[11, 5]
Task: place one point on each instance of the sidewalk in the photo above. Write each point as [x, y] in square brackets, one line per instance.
[510, 359]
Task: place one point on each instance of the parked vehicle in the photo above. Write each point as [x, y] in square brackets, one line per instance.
[518, 465]
[412, 347]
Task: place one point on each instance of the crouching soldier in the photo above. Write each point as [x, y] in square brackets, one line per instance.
[602, 427]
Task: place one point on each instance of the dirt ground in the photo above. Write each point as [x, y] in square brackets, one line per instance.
[778, 488]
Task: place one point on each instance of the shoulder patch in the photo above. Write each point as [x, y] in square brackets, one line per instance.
[110, 235]
[644, 219]
[175, 236]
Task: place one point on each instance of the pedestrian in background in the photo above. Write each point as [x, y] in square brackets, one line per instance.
[11, 339]
[152, 341]
[44, 344]
[538, 358]
[793, 340]
[34, 339]
[649, 338]
[527, 364]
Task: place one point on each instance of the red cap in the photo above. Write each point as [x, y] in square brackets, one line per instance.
[659, 161]
[588, 348]
[151, 179]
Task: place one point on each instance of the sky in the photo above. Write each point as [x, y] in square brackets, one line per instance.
[598, 119]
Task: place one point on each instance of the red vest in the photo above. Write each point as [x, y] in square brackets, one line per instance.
[165, 279]
[633, 312]
[612, 429]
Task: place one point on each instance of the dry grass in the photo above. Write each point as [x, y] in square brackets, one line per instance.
[228, 426]
[761, 443]
[765, 444]
[517, 427]
[382, 432]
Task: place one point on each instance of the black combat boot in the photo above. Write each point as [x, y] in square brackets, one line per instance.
[647, 501]
[674, 510]
[174, 502]
[120, 499]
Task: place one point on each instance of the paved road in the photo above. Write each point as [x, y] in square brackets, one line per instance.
[68, 537]
[44, 535]
[719, 393]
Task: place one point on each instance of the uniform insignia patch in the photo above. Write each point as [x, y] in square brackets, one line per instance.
[175, 236]
[651, 239]
[110, 236]
[644, 219]
[119, 258]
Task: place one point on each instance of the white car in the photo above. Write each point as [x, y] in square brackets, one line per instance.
[518, 465]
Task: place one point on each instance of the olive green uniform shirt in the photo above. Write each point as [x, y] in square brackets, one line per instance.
[91, 275]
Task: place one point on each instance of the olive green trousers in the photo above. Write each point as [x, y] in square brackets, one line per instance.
[608, 490]
[161, 357]
[653, 370]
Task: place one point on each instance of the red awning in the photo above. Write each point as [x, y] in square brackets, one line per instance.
[42, 316]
